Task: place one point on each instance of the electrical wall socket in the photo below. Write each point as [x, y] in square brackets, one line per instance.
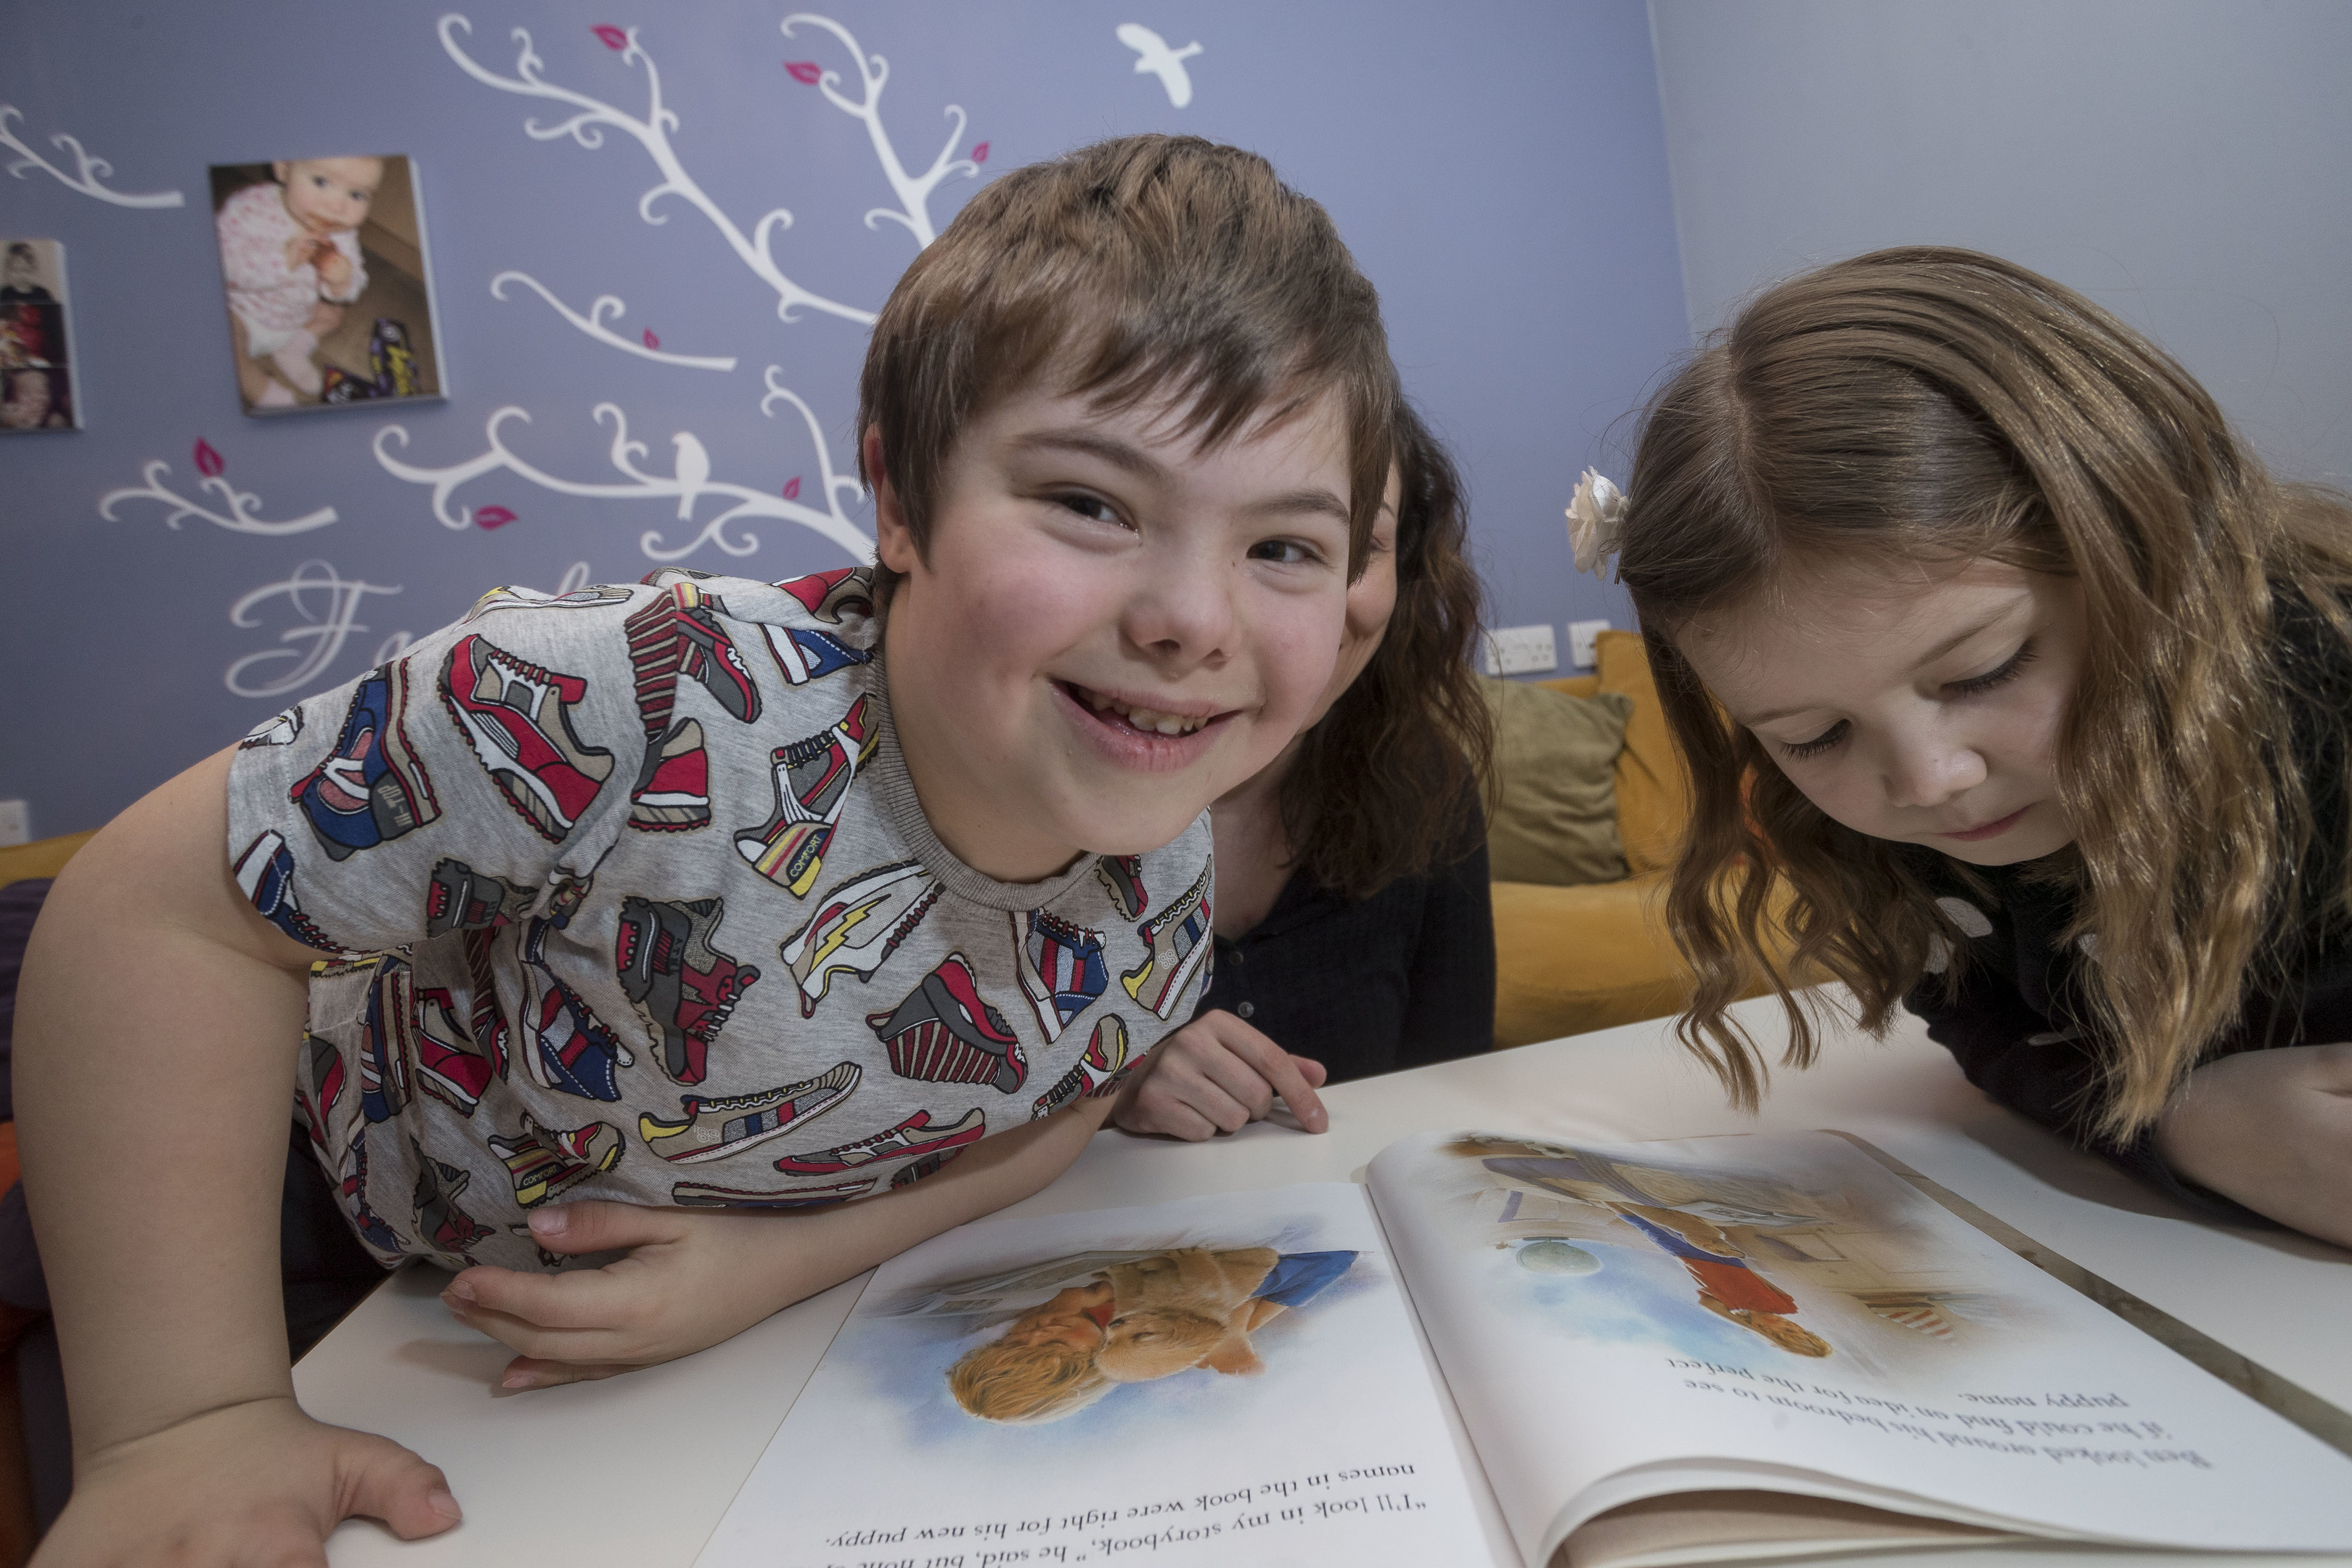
[1580, 652]
[1520, 651]
[15, 822]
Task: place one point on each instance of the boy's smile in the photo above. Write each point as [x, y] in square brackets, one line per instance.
[1112, 627]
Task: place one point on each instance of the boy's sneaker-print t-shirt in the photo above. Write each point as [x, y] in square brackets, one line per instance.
[630, 897]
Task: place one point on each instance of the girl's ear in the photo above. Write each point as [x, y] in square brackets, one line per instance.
[278, 171]
[893, 542]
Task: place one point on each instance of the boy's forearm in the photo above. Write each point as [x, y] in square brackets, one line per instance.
[154, 1045]
[815, 1252]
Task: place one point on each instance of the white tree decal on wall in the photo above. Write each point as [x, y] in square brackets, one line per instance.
[88, 170]
[690, 480]
[241, 505]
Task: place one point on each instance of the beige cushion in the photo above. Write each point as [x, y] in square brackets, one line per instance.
[1555, 758]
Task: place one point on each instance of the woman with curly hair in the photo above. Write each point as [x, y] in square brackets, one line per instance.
[1354, 929]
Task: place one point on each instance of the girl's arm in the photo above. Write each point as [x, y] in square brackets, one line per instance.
[2272, 1129]
[156, 1031]
[695, 1277]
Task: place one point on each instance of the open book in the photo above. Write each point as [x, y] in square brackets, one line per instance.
[1714, 1350]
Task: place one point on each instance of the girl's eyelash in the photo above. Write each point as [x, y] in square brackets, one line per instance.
[1818, 744]
[1992, 677]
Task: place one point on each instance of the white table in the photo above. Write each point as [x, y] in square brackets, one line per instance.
[636, 1471]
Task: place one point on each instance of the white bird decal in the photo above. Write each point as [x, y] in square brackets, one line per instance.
[693, 472]
[1159, 58]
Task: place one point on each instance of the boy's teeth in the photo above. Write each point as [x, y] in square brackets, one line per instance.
[1145, 718]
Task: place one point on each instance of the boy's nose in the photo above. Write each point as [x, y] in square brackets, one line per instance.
[1182, 611]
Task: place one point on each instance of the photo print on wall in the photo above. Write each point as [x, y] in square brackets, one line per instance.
[330, 297]
[36, 389]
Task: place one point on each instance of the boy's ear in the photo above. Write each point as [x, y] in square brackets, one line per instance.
[893, 542]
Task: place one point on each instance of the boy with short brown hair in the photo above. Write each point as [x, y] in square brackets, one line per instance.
[593, 876]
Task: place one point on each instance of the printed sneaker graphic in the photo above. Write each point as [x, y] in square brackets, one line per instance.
[278, 732]
[915, 1136]
[885, 905]
[265, 874]
[351, 1190]
[1178, 938]
[705, 1195]
[462, 899]
[518, 717]
[547, 1161]
[929, 1165]
[385, 1048]
[678, 633]
[945, 1032]
[829, 595]
[569, 1048]
[813, 778]
[1098, 1072]
[448, 1066]
[449, 1230]
[672, 794]
[681, 985]
[806, 655]
[532, 599]
[1061, 965]
[372, 788]
[748, 1119]
[325, 1064]
[1122, 877]
[488, 1023]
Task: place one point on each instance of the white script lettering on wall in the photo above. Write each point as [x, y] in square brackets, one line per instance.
[325, 606]
[241, 504]
[687, 483]
[88, 171]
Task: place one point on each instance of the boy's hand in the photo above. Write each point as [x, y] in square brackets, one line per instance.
[1215, 1075]
[683, 1287]
[257, 1483]
[2273, 1130]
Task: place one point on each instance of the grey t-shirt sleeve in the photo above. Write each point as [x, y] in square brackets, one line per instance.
[447, 787]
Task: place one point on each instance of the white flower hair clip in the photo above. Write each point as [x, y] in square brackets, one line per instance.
[1596, 519]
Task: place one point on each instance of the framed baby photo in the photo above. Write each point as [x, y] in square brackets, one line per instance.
[36, 361]
[324, 267]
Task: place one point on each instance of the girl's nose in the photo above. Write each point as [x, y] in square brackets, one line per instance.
[1928, 769]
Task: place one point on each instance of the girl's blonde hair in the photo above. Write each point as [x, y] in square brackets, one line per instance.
[1928, 406]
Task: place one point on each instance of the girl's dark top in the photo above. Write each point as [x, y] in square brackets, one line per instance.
[1401, 979]
[2015, 1024]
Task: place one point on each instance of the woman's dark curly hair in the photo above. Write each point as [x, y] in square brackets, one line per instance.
[1384, 785]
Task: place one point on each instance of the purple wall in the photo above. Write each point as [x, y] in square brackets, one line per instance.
[1501, 173]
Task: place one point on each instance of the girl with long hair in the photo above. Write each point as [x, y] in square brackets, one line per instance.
[1982, 631]
[1354, 927]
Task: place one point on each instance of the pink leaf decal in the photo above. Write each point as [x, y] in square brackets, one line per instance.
[652, 342]
[613, 38]
[805, 72]
[492, 517]
[792, 487]
[208, 462]
[980, 153]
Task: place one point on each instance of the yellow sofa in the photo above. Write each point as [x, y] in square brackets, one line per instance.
[1571, 959]
[41, 858]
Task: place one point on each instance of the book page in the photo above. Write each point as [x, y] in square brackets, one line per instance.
[1230, 1380]
[1620, 1322]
